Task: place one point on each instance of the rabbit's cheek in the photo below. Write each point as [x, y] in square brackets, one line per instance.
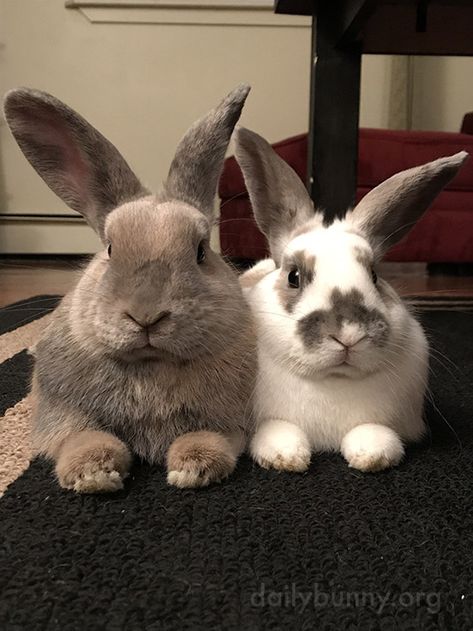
[378, 332]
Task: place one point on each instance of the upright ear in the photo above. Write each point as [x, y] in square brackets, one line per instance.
[279, 198]
[74, 159]
[198, 161]
[390, 210]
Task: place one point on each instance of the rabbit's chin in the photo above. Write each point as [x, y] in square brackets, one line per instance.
[147, 353]
[163, 352]
[316, 369]
[318, 373]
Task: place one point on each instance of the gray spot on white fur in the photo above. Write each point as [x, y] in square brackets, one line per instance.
[363, 257]
[302, 262]
[345, 308]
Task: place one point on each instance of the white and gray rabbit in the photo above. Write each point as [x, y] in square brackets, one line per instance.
[342, 363]
[153, 352]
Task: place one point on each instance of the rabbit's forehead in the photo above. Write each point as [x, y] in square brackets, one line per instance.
[336, 242]
[146, 229]
[327, 259]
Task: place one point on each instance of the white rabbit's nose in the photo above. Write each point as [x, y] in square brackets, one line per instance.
[347, 341]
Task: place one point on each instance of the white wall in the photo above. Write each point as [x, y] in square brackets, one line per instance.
[142, 82]
[442, 92]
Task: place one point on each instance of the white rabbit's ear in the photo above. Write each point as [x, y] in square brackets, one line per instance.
[279, 198]
[198, 161]
[391, 209]
[74, 159]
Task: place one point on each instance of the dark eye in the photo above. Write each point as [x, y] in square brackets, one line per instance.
[109, 250]
[374, 276]
[200, 253]
[293, 278]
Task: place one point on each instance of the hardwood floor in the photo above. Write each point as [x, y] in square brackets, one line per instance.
[413, 279]
[24, 277]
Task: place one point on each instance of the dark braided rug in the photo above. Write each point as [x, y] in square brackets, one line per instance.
[331, 549]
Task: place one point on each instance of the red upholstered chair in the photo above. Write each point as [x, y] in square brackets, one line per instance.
[443, 235]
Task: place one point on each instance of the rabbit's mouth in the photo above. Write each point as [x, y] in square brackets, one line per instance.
[147, 352]
[345, 365]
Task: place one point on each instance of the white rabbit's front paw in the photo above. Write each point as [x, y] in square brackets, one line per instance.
[372, 447]
[281, 445]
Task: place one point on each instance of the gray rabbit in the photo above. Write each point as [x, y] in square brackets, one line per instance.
[153, 352]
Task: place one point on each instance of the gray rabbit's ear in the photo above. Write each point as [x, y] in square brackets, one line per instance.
[391, 209]
[279, 198]
[198, 161]
[74, 159]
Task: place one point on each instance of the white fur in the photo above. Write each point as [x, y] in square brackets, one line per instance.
[187, 479]
[281, 445]
[371, 447]
[98, 481]
[306, 400]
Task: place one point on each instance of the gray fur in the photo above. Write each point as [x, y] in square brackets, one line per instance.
[279, 199]
[146, 403]
[198, 162]
[391, 209]
[363, 257]
[74, 159]
[98, 369]
[346, 307]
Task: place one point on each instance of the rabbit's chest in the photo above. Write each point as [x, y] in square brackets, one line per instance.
[149, 397]
[147, 414]
[324, 410]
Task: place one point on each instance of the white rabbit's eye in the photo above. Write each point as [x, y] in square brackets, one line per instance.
[293, 278]
[200, 253]
[109, 250]
[374, 276]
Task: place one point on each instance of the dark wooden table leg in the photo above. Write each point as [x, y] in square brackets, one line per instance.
[334, 114]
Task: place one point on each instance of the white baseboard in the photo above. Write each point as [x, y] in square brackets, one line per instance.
[190, 12]
[47, 236]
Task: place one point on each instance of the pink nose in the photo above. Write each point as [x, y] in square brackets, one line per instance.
[348, 342]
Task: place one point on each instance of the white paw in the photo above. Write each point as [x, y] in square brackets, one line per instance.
[284, 460]
[371, 447]
[371, 462]
[188, 479]
[282, 446]
[98, 482]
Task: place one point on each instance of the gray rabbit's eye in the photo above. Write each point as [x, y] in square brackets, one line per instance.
[200, 253]
[374, 276]
[293, 278]
[109, 250]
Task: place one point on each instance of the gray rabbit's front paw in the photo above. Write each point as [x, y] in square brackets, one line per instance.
[199, 458]
[93, 462]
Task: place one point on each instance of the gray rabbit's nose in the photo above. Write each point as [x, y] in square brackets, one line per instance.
[150, 321]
